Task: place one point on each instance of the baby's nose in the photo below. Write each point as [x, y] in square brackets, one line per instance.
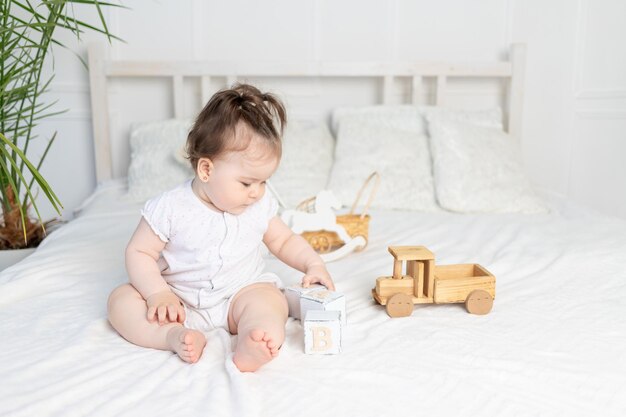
[256, 192]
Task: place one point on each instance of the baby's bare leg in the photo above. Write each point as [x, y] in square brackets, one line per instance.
[258, 315]
[128, 315]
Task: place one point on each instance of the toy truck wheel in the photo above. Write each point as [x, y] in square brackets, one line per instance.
[399, 305]
[479, 302]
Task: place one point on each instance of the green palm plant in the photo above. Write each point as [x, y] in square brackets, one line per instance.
[27, 34]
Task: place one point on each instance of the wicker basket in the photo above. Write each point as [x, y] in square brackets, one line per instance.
[324, 241]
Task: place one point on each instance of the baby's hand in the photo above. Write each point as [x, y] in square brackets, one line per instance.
[317, 274]
[166, 307]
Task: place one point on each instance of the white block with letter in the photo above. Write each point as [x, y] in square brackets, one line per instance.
[323, 299]
[293, 294]
[322, 332]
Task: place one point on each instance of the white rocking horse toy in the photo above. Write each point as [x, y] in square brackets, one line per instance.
[324, 219]
[332, 236]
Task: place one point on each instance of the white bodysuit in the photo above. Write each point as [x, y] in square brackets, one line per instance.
[209, 256]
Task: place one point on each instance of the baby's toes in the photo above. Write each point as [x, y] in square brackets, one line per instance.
[188, 338]
[258, 335]
[273, 347]
[191, 354]
[193, 345]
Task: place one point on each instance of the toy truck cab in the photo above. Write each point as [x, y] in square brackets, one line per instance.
[426, 283]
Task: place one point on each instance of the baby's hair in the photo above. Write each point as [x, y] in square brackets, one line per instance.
[214, 131]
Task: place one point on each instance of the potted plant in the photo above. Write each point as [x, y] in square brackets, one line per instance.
[27, 34]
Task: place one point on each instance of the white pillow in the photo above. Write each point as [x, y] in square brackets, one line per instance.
[479, 169]
[401, 157]
[305, 164]
[411, 118]
[153, 166]
[403, 117]
[486, 118]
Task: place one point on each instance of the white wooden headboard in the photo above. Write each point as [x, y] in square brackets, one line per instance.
[102, 69]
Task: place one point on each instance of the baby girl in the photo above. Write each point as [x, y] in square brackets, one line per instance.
[195, 260]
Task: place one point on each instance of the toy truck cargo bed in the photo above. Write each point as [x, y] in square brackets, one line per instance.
[453, 283]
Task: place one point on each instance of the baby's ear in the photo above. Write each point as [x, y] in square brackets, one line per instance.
[204, 168]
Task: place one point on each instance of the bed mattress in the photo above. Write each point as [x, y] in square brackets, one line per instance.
[554, 343]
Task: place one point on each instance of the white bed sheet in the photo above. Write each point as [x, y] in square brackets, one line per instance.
[554, 343]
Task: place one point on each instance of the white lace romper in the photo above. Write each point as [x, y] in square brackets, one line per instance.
[209, 256]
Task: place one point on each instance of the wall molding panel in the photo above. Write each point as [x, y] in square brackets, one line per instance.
[582, 58]
[597, 106]
[608, 94]
[601, 114]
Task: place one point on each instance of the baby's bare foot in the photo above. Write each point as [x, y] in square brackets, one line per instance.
[187, 343]
[254, 350]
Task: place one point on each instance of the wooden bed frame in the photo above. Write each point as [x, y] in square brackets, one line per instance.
[101, 69]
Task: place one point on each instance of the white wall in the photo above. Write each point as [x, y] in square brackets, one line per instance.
[575, 102]
[575, 109]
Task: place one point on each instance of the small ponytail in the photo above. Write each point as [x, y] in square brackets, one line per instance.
[216, 124]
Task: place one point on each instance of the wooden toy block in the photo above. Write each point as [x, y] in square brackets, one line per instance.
[293, 294]
[323, 300]
[386, 287]
[409, 253]
[322, 332]
[415, 269]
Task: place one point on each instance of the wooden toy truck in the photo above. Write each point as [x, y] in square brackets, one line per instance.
[425, 283]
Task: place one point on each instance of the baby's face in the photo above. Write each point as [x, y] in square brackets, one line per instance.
[238, 178]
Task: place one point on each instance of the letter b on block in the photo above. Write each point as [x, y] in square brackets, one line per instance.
[322, 332]
[322, 338]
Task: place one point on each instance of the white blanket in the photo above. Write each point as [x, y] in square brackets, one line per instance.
[554, 343]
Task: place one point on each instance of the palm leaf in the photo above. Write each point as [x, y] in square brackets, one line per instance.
[43, 184]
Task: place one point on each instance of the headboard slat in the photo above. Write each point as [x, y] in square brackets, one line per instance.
[387, 88]
[416, 89]
[516, 90]
[100, 111]
[205, 94]
[440, 96]
[177, 85]
[305, 69]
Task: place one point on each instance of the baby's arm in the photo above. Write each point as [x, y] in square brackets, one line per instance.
[142, 254]
[296, 252]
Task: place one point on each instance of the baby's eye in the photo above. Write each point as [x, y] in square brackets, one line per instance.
[245, 184]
